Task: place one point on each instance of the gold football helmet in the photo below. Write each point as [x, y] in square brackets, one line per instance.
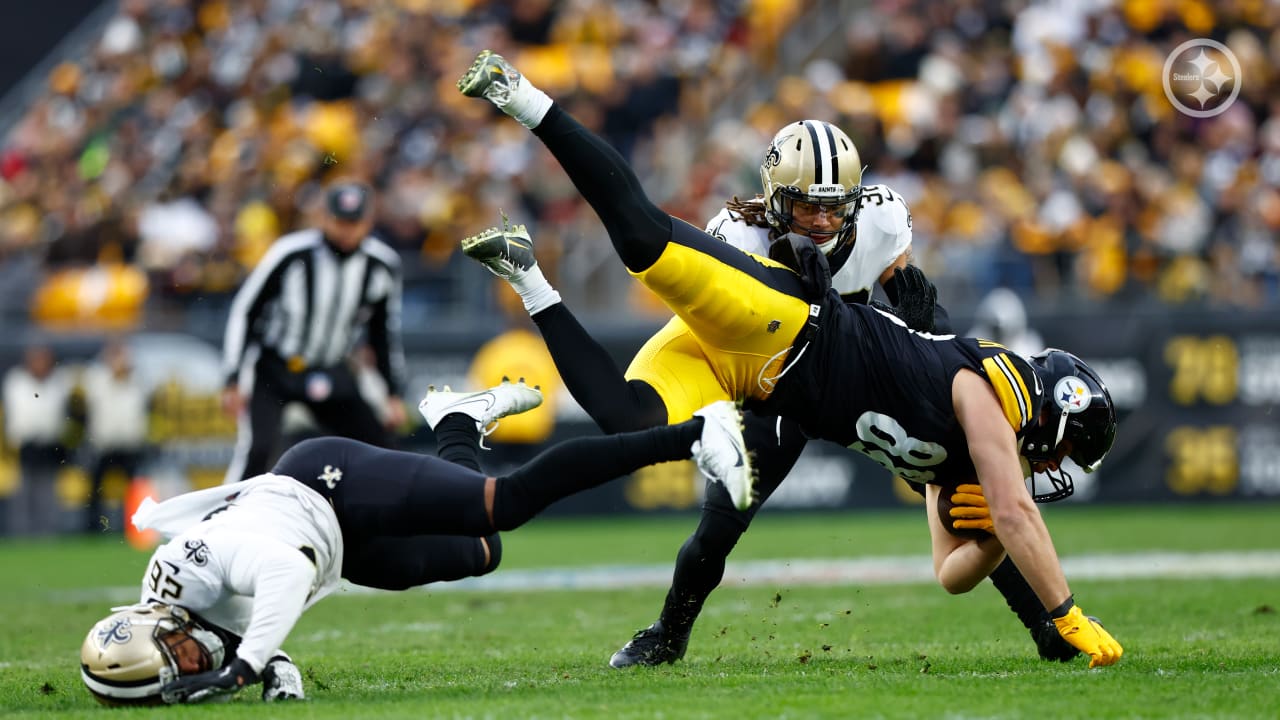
[129, 655]
[813, 163]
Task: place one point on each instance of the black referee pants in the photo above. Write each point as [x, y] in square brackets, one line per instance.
[332, 396]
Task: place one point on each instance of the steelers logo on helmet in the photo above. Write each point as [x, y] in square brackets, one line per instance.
[1079, 410]
[1072, 395]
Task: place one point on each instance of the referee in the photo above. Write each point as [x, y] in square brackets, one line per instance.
[294, 323]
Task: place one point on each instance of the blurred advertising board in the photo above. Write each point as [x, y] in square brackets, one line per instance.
[1197, 396]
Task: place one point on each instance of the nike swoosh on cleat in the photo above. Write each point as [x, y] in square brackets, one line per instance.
[517, 244]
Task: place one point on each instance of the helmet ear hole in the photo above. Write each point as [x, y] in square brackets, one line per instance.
[1076, 409]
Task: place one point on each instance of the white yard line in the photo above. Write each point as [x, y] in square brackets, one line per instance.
[873, 571]
[820, 572]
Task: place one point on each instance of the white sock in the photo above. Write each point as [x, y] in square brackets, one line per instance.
[528, 105]
[534, 290]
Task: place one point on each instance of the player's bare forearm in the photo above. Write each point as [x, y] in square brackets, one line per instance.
[1025, 538]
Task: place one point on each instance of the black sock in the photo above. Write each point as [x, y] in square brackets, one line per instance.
[593, 378]
[1018, 594]
[638, 228]
[458, 440]
[582, 463]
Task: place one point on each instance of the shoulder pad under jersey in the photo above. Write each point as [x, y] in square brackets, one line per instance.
[1018, 387]
[883, 233]
[728, 226]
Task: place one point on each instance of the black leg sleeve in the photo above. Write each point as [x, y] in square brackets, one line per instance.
[583, 463]
[638, 228]
[593, 379]
[1018, 594]
[700, 563]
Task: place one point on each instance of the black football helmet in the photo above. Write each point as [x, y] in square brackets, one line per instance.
[1076, 409]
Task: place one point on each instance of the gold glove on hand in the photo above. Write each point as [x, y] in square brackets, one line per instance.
[970, 511]
[1086, 634]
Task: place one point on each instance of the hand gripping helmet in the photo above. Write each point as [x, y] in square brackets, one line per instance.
[814, 162]
[129, 655]
[1076, 409]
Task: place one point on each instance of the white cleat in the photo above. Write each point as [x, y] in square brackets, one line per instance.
[721, 453]
[484, 406]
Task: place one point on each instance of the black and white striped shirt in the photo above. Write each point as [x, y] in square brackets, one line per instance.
[307, 303]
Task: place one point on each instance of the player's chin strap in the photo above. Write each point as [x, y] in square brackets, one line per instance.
[767, 384]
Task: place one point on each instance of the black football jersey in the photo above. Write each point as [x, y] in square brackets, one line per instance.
[871, 384]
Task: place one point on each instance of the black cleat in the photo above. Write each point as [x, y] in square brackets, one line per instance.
[1050, 645]
[651, 646]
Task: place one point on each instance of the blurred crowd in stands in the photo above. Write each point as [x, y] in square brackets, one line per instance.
[1033, 140]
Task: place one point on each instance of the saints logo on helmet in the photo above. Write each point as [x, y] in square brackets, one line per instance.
[812, 169]
[1076, 410]
[129, 655]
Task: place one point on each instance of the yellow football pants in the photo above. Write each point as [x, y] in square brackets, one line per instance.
[737, 315]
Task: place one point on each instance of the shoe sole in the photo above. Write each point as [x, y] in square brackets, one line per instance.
[473, 82]
[490, 244]
[472, 246]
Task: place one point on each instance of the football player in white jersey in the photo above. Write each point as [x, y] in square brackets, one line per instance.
[243, 563]
[835, 233]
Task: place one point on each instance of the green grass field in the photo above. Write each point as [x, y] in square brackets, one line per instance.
[1202, 648]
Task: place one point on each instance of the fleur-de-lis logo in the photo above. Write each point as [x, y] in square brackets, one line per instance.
[773, 157]
[118, 632]
[197, 552]
[330, 476]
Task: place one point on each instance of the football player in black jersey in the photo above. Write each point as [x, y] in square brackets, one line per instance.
[668, 377]
[934, 409]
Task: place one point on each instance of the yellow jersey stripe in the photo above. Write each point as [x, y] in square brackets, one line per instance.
[1010, 389]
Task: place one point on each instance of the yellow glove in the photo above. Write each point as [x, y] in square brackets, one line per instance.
[1086, 634]
[970, 511]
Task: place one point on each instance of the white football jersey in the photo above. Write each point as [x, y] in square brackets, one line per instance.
[883, 233]
[249, 558]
